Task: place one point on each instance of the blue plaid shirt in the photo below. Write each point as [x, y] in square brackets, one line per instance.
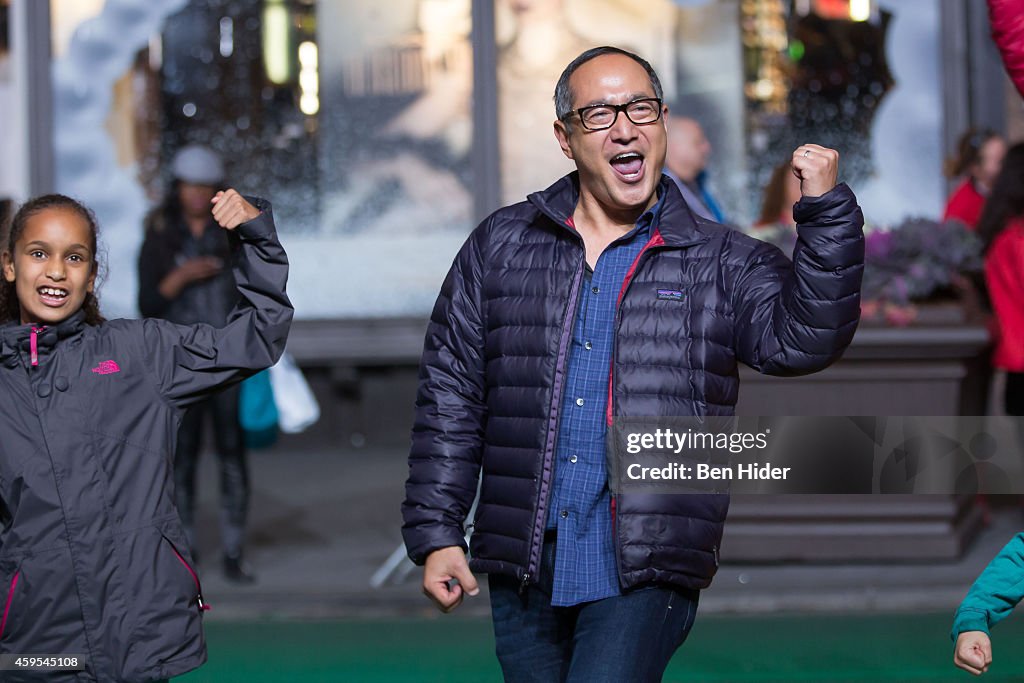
[580, 505]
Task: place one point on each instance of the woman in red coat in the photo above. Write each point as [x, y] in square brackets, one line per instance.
[1002, 229]
[979, 157]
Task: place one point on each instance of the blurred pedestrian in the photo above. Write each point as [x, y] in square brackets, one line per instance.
[979, 156]
[1002, 229]
[182, 278]
[781, 193]
[686, 161]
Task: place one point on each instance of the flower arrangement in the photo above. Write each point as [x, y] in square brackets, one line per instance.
[917, 260]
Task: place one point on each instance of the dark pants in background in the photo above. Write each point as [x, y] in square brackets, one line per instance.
[631, 637]
[229, 440]
[1013, 403]
[1013, 399]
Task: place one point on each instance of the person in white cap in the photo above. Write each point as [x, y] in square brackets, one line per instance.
[182, 278]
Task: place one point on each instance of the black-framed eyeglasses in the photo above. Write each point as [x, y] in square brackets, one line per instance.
[603, 116]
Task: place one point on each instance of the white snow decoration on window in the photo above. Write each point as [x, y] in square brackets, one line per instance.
[102, 49]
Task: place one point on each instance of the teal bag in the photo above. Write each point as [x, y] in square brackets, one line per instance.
[257, 411]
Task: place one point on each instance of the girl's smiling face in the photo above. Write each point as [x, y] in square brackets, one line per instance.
[52, 265]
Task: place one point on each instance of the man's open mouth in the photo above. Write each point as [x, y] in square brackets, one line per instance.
[629, 165]
[53, 296]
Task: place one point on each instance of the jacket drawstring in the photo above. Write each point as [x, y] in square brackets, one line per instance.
[34, 345]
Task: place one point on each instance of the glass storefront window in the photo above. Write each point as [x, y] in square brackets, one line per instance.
[394, 148]
[357, 117]
[354, 118]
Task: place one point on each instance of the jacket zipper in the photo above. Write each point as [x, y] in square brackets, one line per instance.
[203, 606]
[655, 242]
[544, 492]
[34, 344]
[10, 599]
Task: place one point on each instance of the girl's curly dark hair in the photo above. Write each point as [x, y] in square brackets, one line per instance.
[9, 308]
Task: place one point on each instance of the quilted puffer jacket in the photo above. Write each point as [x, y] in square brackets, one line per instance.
[494, 366]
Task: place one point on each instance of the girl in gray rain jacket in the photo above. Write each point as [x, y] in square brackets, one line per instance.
[93, 560]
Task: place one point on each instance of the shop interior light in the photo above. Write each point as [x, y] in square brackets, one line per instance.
[227, 37]
[309, 79]
[309, 104]
[308, 55]
[860, 10]
[276, 31]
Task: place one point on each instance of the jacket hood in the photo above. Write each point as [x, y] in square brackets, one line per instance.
[678, 226]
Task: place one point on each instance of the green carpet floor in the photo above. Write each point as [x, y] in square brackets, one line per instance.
[779, 649]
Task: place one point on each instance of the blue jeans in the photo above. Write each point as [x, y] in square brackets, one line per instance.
[631, 637]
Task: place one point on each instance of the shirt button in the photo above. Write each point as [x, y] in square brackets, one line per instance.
[43, 390]
[61, 384]
[588, 345]
[595, 290]
[573, 458]
[579, 401]
[563, 514]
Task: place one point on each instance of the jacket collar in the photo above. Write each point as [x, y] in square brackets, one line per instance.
[677, 226]
[14, 336]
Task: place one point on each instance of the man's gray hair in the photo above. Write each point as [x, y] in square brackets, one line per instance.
[564, 94]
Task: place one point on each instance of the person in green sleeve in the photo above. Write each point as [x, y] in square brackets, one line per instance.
[992, 597]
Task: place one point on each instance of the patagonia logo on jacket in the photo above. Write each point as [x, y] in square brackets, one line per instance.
[670, 294]
[107, 367]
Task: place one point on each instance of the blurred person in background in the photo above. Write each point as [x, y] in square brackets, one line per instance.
[183, 278]
[686, 163]
[781, 193]
[979, 156]
[1002, 230]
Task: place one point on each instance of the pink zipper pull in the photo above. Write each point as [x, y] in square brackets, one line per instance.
[10, 597]
[202, 604]
[34, 345]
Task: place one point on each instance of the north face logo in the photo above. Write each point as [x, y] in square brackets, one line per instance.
[107, 367]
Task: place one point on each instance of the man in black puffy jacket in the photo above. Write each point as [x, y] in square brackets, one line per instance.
[605, 295]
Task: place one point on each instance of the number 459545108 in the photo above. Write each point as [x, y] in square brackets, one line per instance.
[42, 663]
